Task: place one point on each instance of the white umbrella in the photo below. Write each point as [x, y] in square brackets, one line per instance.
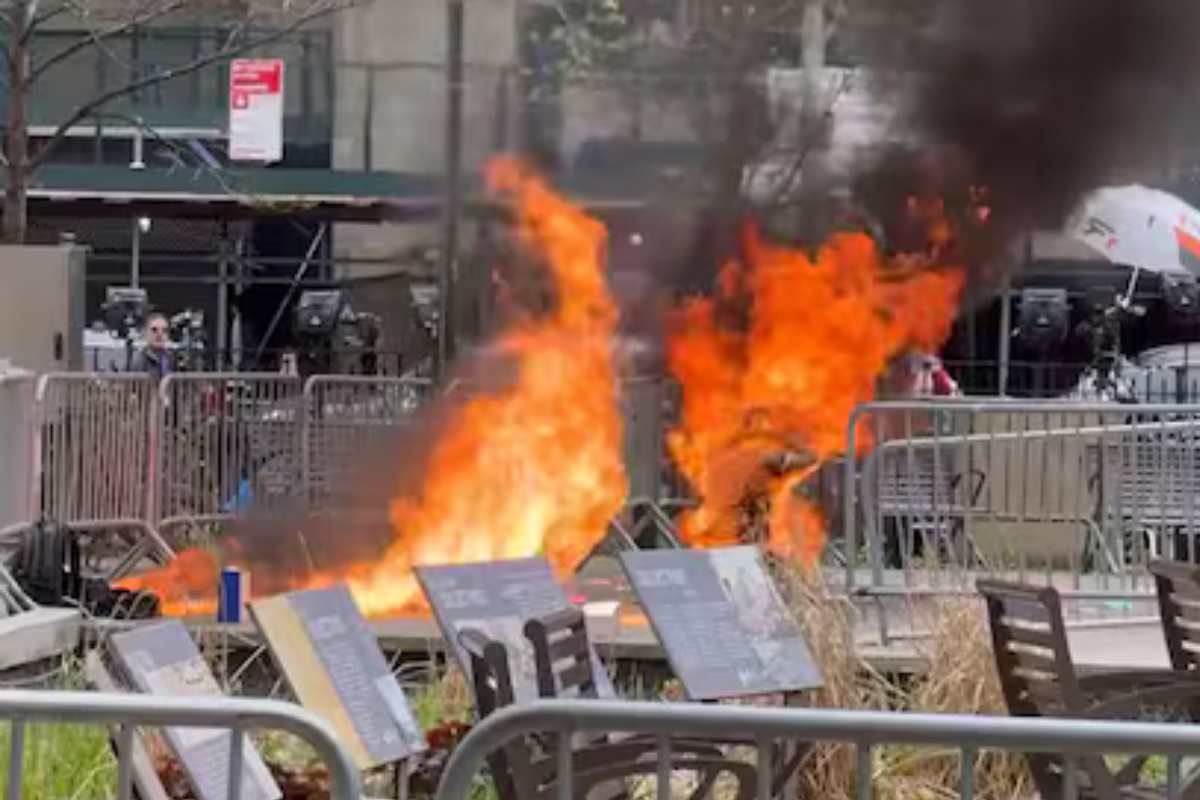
[1143, 228]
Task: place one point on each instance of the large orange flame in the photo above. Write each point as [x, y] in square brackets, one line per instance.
[185, 587]
[772, 368]
[534, 468]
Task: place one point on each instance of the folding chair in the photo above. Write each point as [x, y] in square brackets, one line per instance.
[563, 656]
[526, 767]
[1178, 588]
[1038, 679]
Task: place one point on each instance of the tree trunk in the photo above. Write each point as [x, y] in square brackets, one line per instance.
[16, 207]
[16, 145]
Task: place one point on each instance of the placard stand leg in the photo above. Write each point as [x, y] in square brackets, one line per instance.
[402, 777]
[224, 639]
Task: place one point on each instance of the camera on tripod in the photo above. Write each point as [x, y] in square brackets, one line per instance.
[124, 309]
[333, 336]
[1043, 319]
[191, 340]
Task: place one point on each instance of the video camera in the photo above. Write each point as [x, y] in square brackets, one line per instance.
[1043, 319]
[333, 336]
[188, 333]
[317, 313]
[1182, 295]
[124, 309]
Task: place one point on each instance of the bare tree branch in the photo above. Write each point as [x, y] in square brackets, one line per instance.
[810, 137]
[835, 12]
[218, 174]
[95, 38]
[231, 49]
[42, 18]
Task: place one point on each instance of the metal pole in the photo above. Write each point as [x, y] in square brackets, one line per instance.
[1005, 336]
[139, 140]
[135, 255]
[369, 122]
[16, 759]
[223, 300]
[297, 279]
[452, 200]
[235, 337]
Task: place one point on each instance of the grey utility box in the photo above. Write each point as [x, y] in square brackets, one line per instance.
[42, 306]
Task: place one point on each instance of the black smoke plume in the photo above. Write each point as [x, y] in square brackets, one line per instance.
[1038, 102]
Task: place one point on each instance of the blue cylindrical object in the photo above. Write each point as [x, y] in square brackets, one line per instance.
[231, 594]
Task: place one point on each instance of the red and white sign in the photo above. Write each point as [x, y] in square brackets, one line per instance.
[256, 109]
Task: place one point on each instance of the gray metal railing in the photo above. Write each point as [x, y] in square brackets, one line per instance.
[864, 730]
[126, 712]
[223, 437]
[348, 419]
[93, 447]
[936, 473]
[16, 447]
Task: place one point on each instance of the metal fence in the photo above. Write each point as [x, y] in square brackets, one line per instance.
[126, 712]
[865, 731]
[227, 439]
[115, 454]
[92, 460]
[1152, 383]
[347, 417]
[104, 451]
[16, 447]
[1083, 494]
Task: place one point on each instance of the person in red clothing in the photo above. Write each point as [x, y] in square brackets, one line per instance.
[919, 375]
[941, 383]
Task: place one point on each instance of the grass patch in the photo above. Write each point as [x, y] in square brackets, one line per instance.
[63, 762]
[445, 699]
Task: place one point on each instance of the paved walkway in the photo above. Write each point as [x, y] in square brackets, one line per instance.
[1135, 645]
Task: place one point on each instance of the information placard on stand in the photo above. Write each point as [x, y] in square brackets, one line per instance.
[331, 659]
[722, 622]
[497, 598]
[162, 659]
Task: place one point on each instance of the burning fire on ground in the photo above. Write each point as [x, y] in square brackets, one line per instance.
[771, 368]
[534, 468]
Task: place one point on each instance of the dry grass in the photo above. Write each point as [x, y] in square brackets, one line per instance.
[961, 680]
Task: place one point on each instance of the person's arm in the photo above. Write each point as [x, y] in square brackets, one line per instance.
[943, 384]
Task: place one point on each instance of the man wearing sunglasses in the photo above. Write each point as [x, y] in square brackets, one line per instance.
[155, 357]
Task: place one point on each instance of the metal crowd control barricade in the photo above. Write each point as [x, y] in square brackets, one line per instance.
[648, 518]
[93, 462]
[1077, 492]
[1151, 487]
[863, 730]
[17, 425]
[348, 417]
[226, 441]
[127, 712]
